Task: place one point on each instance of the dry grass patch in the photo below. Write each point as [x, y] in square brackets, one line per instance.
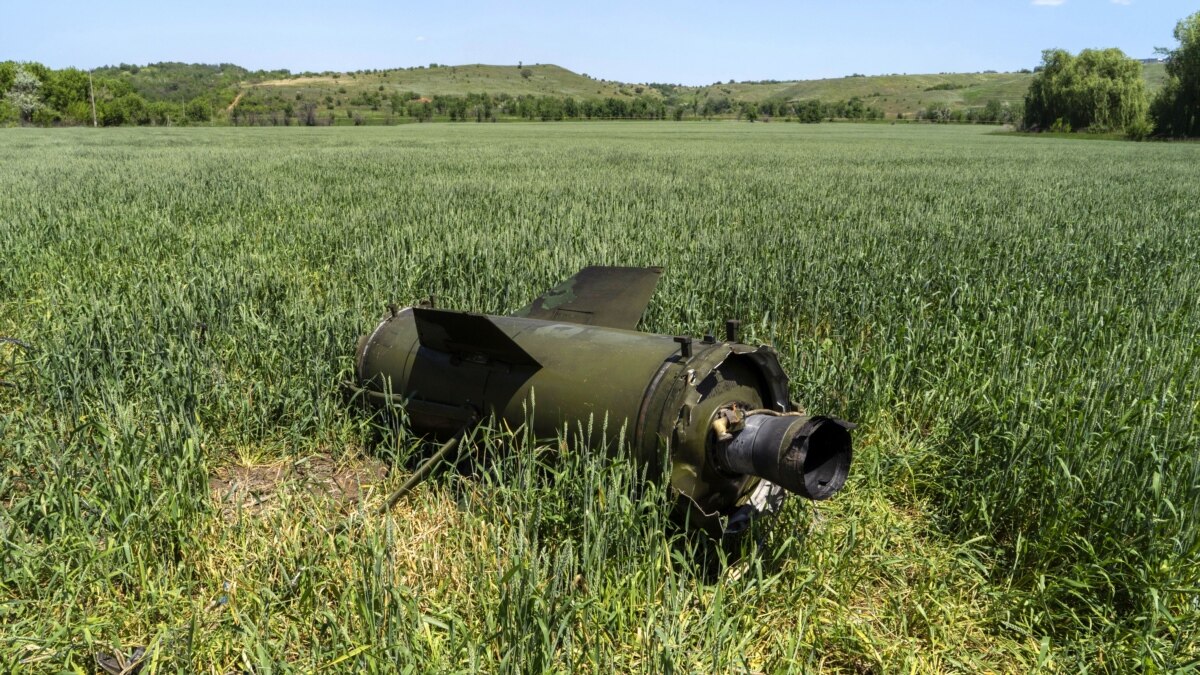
[241, 488]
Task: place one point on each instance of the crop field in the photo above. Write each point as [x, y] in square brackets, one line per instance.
[1014, 322]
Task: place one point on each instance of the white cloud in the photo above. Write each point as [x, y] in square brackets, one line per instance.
[420, 38]
[1048, 3]
[1122, 2]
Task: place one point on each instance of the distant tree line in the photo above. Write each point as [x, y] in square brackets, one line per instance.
[808, 110]
[813, 110]
[124, 95]
[399, 107]
[994, 112]
[1096, 90]
[181, 94]
[35, 94]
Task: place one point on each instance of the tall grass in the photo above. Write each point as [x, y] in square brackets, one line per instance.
[1012, 320]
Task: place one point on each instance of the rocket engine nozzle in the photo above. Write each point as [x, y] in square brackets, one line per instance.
[809, 456]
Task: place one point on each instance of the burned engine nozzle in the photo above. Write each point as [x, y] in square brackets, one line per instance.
[808, 456]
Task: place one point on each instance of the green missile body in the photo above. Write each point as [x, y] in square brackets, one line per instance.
[717, 412]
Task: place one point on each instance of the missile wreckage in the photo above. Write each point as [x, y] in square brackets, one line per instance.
[712, 418]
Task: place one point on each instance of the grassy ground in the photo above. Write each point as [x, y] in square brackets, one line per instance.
[1012, 320]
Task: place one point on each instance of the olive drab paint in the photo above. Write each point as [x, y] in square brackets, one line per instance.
[717, 412]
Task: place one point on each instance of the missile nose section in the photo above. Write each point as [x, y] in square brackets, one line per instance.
[808, 456]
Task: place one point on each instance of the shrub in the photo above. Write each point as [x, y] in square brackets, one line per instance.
[1139, 130]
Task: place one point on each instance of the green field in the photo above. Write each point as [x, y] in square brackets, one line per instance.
[1013, 321]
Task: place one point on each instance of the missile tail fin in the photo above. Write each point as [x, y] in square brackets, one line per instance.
[468, 336]
[611, 297]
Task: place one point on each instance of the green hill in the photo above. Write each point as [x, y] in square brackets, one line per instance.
[520, 80]
[904, 93]
[167, 93]
[893, 94]
[370, 94]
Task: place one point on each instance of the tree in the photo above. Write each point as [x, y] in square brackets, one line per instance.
[25, 93]
[936, 112]
[1176, 109]
[810, 111]
[308, 113]
[198, 110]
[526, 73]
[164, 113]
[8, 70]
[854, 108]
[992, 112]
[124, 109]
[396, 102]
[64, 88]
[549, 108]
[1101, 89]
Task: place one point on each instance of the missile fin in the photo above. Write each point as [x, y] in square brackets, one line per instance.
[469, 336]
[611, 297]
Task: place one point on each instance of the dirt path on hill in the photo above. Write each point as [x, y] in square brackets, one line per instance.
[237, 98]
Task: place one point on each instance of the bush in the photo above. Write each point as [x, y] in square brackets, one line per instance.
[938, 112]
[79, 112]
[197, 110]
[1139, 130]
[8, 113]
[46, 117]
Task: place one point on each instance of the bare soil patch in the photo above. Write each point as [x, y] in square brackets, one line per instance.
[253, 489]
[298, 80]
[236, 99]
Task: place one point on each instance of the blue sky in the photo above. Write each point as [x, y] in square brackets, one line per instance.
[696, 42]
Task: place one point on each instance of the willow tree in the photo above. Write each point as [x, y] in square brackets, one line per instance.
[1176, 109]
[1101, 89]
